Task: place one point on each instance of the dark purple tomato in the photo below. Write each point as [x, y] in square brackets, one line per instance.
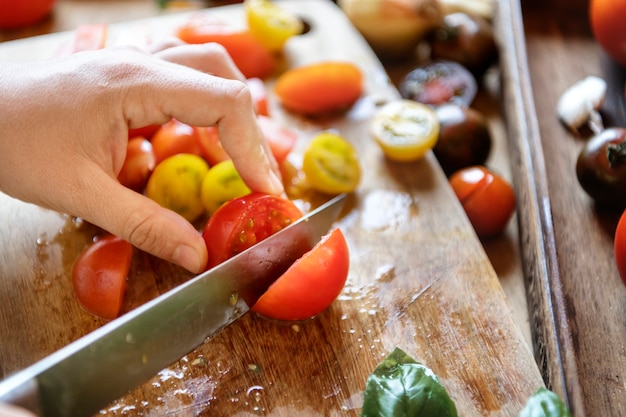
[601, 168]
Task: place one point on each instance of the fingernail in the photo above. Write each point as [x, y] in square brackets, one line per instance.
[188, 258]
[276, 183]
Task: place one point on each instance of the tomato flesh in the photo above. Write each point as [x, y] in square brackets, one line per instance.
[99, 276]
[311, 284]
[244, 221]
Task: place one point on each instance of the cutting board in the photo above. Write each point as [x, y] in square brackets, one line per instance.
[419, 279]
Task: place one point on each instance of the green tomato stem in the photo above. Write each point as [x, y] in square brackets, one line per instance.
[616, 154]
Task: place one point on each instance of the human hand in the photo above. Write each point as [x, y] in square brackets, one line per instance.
[64, 131]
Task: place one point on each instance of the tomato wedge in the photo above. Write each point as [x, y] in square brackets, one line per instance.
[99, 276]
[311, 284]
[244, 221]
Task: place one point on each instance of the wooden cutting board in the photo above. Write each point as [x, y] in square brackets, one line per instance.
[419, 280]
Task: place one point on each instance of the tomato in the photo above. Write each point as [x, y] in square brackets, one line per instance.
[488, 199]
[619, 247]
[258, 91]
[99, 276]
[439, 83]
[319, 88]
[464, 138]
[271, 24]
[176, 184]
[145, 132]
[405, 130]
[601, 167]
[210, 143]
[21, 13]
[607, 23]
[252, 58]
[175, 137]
[331, 164]
[221, 184]
[138, 165]
[311, 284]
[244, 221]
[280, 138]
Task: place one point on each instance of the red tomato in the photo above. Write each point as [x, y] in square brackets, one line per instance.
[252, 58]
[138, 165]
[244, 221]
[175, 137]
[311, 284]
[607, 22]
[619, 250]
[99, 276]
[259, 96]
[280, 139]
[488, 199]
[211, 145]
[146, 131]
[21, 13]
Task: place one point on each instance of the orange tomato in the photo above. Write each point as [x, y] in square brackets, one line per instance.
[607, 23]
[319, 88]
[175, 137]
[21, 13]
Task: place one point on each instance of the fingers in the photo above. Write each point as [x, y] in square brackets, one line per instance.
[210, 58]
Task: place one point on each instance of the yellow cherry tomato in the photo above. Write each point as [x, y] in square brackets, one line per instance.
[176, 184]
[271, 24]
[331, 164]
[221, 184]
[405, 129]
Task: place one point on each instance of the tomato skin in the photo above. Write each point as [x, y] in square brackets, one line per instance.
[244, 221]
[311, 284]
[607, 23]
[280, 139]
[221, 184]
[138, 165]
[619, 247]
[271, 24]
[175, 137]
[319, 88]
[145, 132]
[488, 199]
[99, 276]
[21, 13]
[210, 143]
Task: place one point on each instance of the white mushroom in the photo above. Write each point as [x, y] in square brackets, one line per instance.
[579, 104]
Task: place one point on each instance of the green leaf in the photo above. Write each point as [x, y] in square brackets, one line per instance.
[545, 403]
[401, 386]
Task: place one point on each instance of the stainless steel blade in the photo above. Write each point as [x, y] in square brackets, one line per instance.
[85, 376]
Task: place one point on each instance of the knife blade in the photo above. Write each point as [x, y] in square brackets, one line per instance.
[88, 374]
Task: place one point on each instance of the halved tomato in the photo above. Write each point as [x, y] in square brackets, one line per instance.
[280, 138]
[244, 221]
[99, 276]
[311, 284]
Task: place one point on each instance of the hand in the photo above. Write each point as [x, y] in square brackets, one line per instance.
[63, 135]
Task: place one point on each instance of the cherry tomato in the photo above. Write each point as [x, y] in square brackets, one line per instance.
[619, 250]
[138, 165]
[311, 284]
[175, 137]
[607, 23]
[252, 58]
[320, 88]
[244, 221]
[331, 164]
[601, 167]
[146, 131]
[21, 13]
[176, 184]
[210, 143]
[280, 138]
[488, 199]
[271, 24]
[439, 83]
[258, 90]
[221, 184]
[464, 138]
[99, 276]
[405, 130]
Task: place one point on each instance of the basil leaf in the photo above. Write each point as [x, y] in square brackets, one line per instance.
[401, 386]
[545, 403]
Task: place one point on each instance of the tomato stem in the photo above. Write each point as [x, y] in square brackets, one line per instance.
[616, 154]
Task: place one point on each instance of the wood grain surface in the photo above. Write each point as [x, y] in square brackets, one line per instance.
[419, 279]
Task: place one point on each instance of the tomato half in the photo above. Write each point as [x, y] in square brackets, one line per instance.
[99, 276]
[619, 247]
[175, 137]
[138, 165]
[607, 22]
[311, 284]
[487, 198]
[244, 221]
[271, 24]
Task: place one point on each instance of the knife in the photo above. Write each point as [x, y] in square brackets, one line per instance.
[88, 374]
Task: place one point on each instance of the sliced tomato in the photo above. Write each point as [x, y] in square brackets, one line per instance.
[252, 58]
[99, 276]
[210, 145]
[280, 138]
[175, 137]
[138, 165]
[311, 284]
[244, 221]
